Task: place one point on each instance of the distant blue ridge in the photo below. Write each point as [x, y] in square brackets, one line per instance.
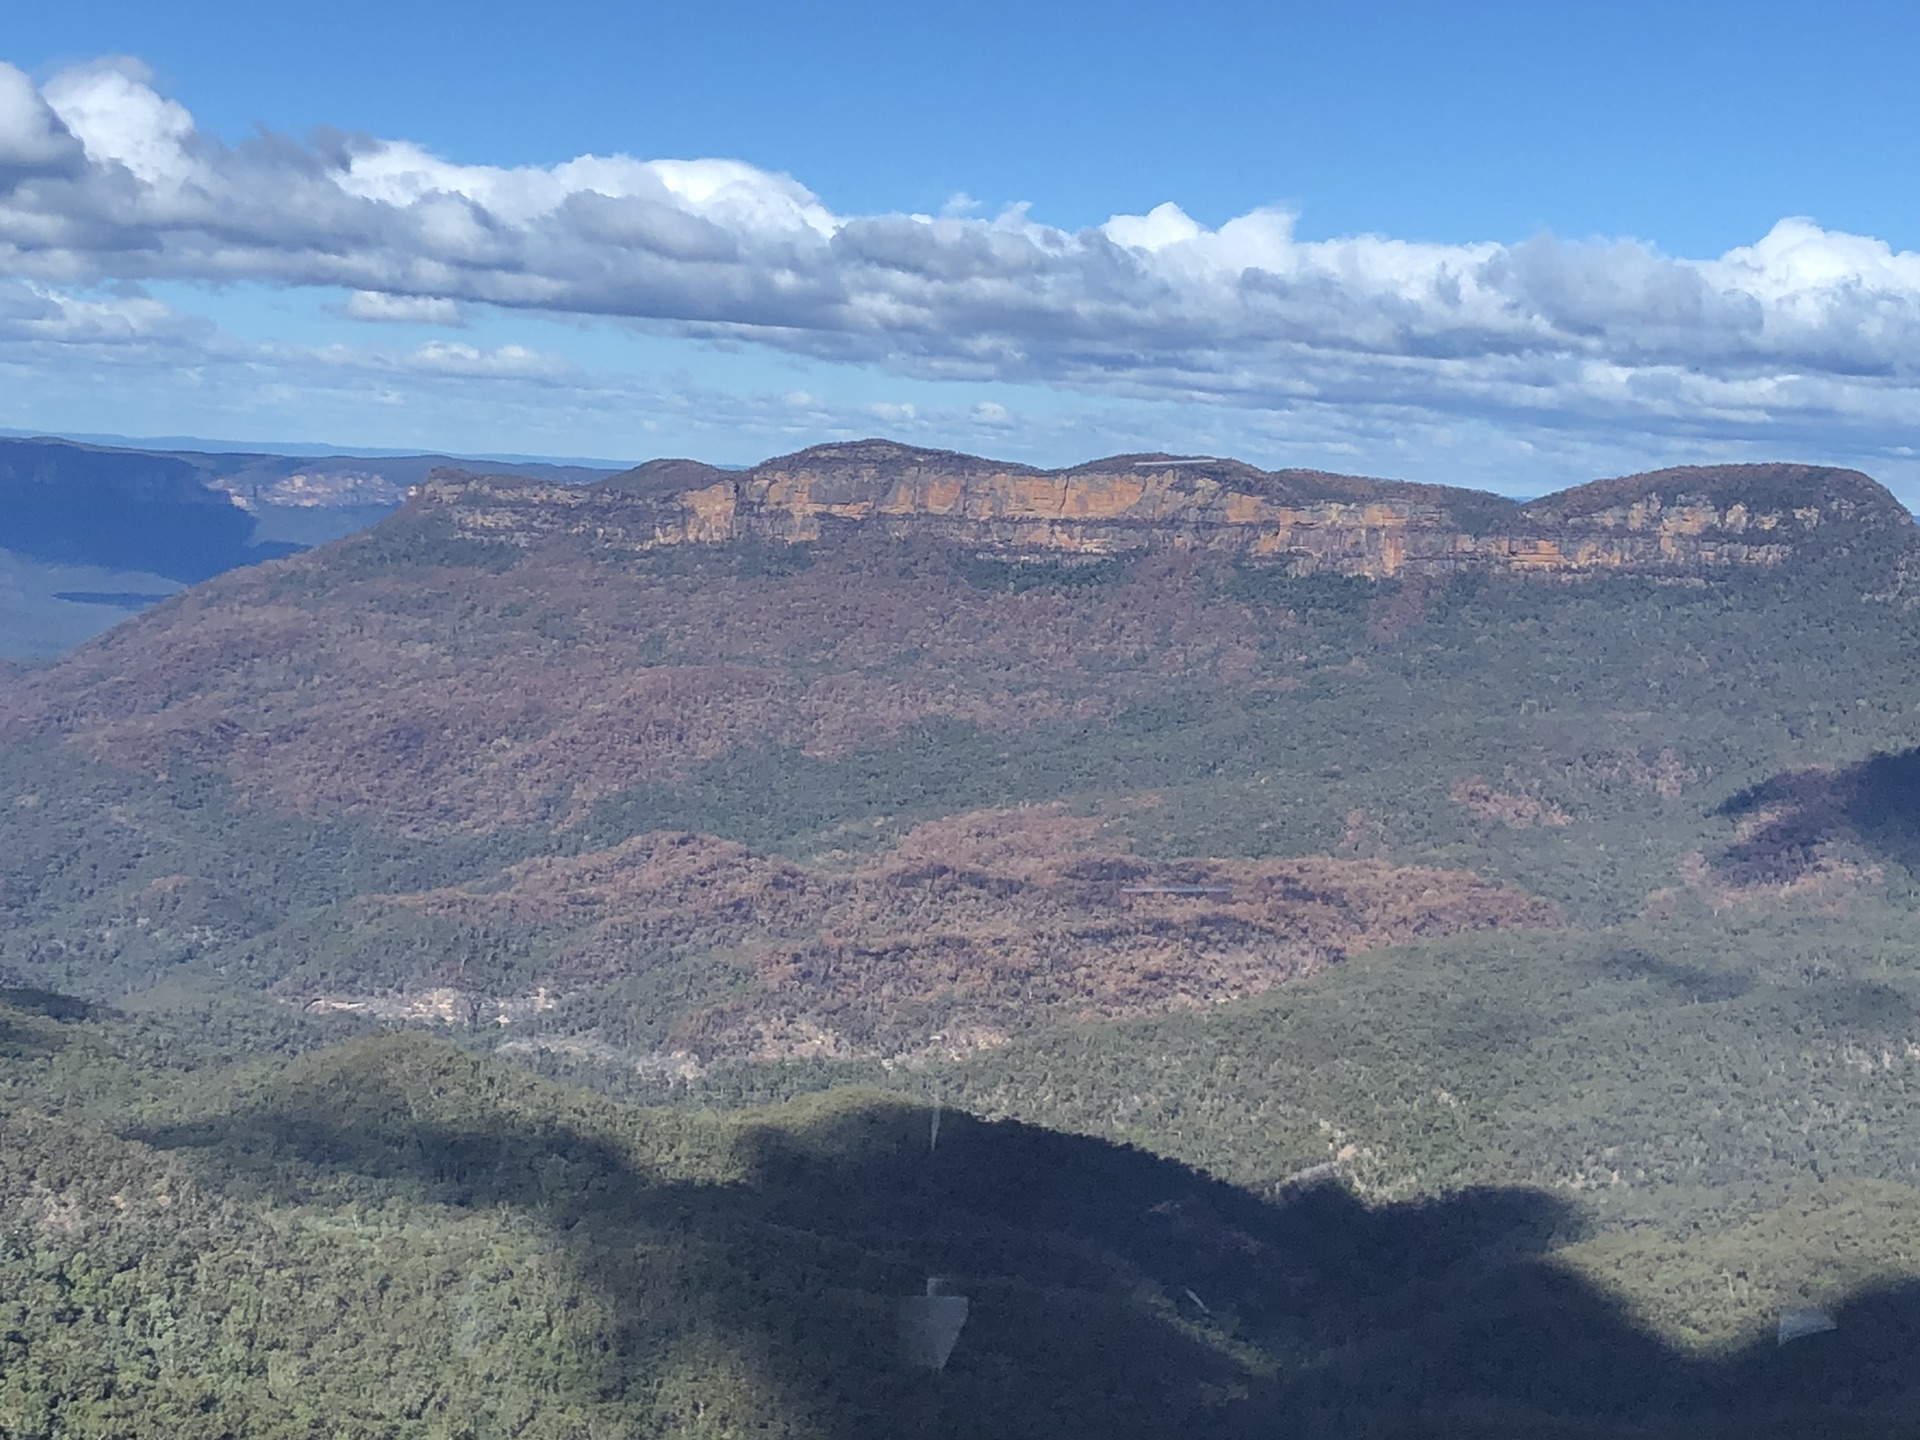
[121, 510]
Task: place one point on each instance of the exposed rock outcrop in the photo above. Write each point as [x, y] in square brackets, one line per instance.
[1669, 520]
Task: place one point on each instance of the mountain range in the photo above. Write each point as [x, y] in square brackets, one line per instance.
[1395, 960]
[1690, 518]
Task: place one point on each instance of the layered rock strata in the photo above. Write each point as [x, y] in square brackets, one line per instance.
[1668, 520]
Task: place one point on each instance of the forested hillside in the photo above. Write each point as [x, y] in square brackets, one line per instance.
[395, 1237]
[1361, 996]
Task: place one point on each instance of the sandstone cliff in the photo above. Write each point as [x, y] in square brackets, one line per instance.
[1669, 520]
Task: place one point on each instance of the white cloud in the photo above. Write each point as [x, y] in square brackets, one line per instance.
[435, 358]
[1160, 227]
[112, 109]
[403, 309]
[1807, 332]
[501, 362]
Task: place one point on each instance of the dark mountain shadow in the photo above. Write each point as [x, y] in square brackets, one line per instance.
[51, 1004]
[1113, 1293]
[1787, 819]
[32, 1020]
[1695, 984]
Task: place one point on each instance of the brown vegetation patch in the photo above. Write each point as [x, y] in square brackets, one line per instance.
[974, 928]
[1506, 807]
[437, 700]
[1663, 773]
[1007, 841]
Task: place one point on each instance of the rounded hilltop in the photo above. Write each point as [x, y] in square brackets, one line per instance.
[663, 477]
[880, 459]
[1760, 488]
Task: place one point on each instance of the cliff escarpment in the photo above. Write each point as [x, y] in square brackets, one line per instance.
[1676, 520]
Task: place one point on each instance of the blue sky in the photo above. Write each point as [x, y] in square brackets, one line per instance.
[1509, 245]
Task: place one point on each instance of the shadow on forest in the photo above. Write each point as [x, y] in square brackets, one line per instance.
[18, 1040]
[1875, 802]
[50, 1004]
[1114, 1294]
[1694, 984]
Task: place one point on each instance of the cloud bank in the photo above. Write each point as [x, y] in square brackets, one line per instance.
[1808, 332]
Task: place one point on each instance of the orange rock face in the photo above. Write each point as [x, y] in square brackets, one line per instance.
[1305, 520]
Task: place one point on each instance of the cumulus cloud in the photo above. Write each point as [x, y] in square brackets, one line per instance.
[112, 109]
[104, 179]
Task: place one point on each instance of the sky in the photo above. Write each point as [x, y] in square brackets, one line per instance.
[1504, 245]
